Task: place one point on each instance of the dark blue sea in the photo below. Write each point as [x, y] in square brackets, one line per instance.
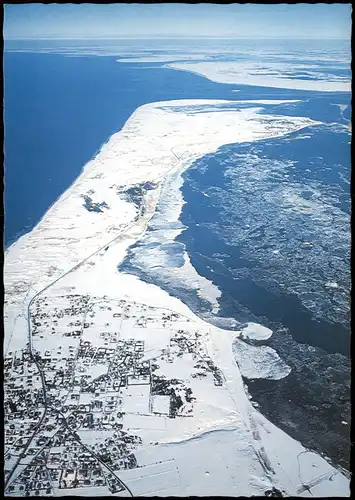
[266, 222]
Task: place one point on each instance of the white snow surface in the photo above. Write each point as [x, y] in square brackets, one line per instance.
[228, 447]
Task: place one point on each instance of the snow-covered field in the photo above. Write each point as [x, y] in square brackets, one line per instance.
[227, 447]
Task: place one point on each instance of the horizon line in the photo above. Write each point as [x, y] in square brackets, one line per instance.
[165, 37]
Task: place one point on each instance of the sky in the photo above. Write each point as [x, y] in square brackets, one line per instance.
[156, 20]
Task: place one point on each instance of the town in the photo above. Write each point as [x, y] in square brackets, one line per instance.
[93, 365]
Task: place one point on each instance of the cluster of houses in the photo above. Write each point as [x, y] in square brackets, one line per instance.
[79, 398]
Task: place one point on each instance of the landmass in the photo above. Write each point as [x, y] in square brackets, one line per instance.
[113, 387]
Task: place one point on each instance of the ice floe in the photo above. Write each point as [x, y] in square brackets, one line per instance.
[256, 331]
[259, 361]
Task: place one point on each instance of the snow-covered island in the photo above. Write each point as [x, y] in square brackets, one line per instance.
[113, 387]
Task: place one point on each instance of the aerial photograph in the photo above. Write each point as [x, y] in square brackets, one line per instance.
[177, 250]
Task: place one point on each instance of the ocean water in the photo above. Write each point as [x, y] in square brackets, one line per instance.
[267, 223]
